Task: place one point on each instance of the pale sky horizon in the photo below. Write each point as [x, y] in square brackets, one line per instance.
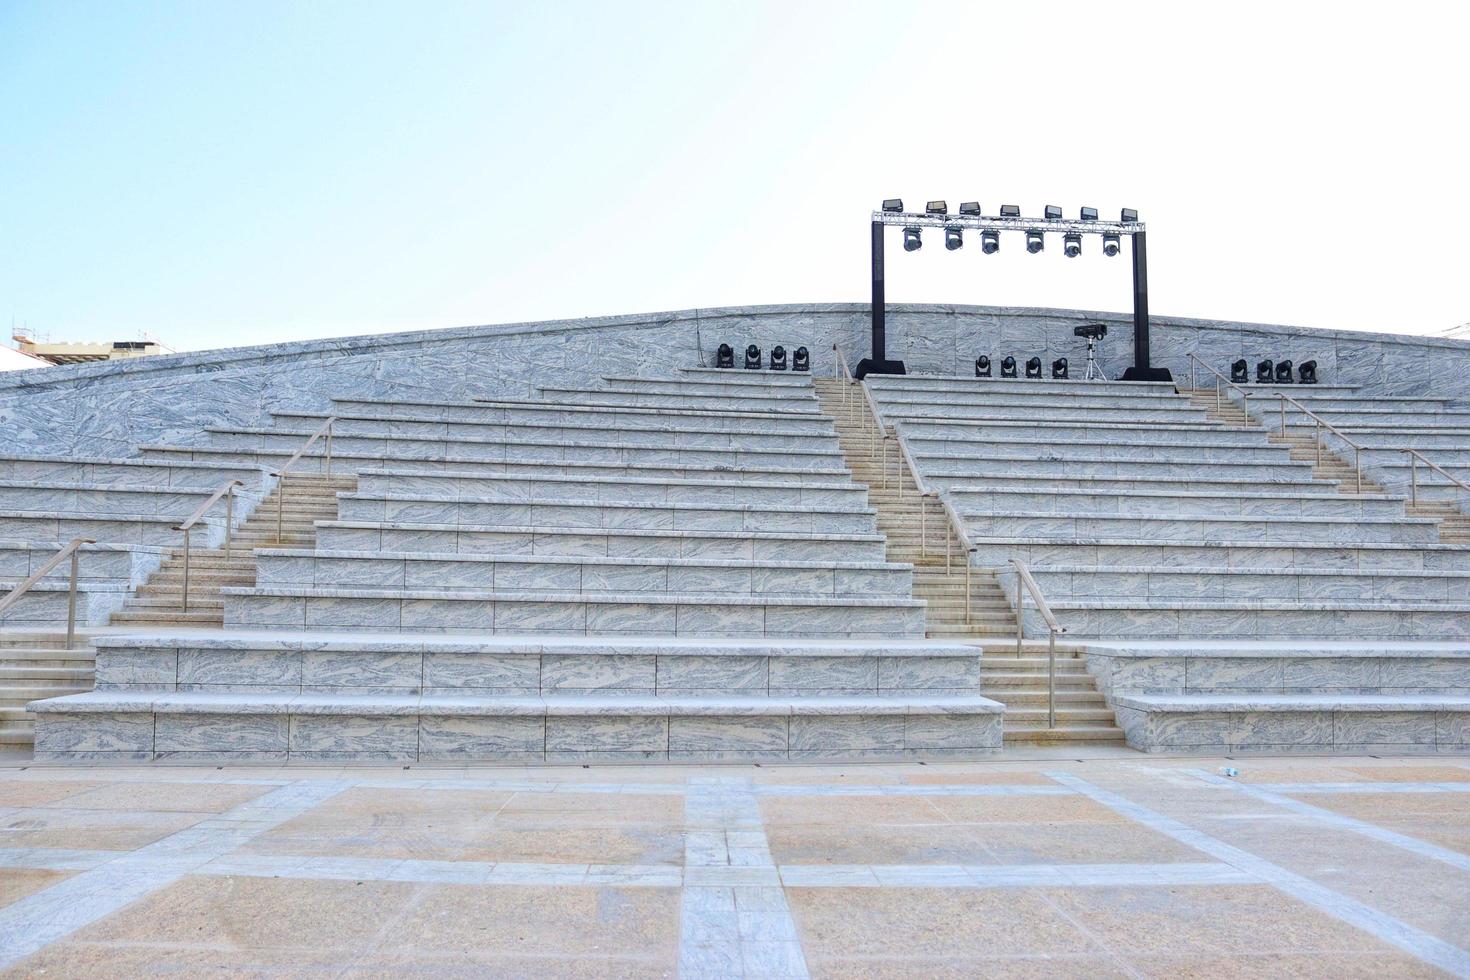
[218, 175]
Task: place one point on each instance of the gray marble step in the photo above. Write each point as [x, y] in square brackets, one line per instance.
[1274, 667]
[574, 573]
[1279, 552]
[105, 471]
[337, 663]
[726, 385]
[648, 431]
[136, 726]
[62, 526]
[901, 411]
[1034, 463]
[1142, 447]
[105, 498]
[843, 494]
[631, 613]
[1425, 438]
[1046, 401]
[1199, 527]
[1296, 584]
[632, 513]
[739, 375]
[513, 410]
[609, 542]
[1254, 618]
[960, 382]
[1043, 430]
[1261, 502]
[1319, 398]
[103, 562]
[46, 603]
[1292, 482]
[1339, 724]
[775, 403]
[1270, 417]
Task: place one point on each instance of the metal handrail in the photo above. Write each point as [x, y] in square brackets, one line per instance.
[1023, 577]
[68, 550]
[226, 490]
[280, 475]
[1320, 422]
[1414, 457]
[946, 507]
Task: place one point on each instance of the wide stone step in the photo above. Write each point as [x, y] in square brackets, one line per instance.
[1200, 527]
[1280, 551]
[195, 616]
[1253, 618]
[983, 499]
[1294, 482]
[406, 420]
[776, 404]
[685, 614]
[107, 726]
[943, 471]
[1160, 581]
[1074, 431]
[1155, 450]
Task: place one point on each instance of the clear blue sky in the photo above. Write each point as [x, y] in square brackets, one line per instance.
[225, 173]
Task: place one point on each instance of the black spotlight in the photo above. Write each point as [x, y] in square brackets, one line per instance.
[911, 242]
[1059, 369]
[971, 208]
[1008, 367]
[778, 358]
[1071, 245]
[990, 242]
[1264, 372]
[1110, 244]
[893, 204]
[953, 238]
[801, 360]
[1033, 367]
[725, 356]
[1035, 242]
[1240, 371]
[1307, 372]
[752, 358]
[1283, 372]
[982, 366]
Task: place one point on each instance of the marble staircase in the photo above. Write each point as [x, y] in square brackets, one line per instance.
[37, 665]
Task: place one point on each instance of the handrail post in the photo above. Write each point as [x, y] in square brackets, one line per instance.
[1191, 373]
[948, 553]
[923, 528]
[1283, 415]
[280, 505]
[968, 590]
[1051, 678]
[1413, 480]
[71, 603]
[229, 521]
[1319, 443]
[1358, 465]
[185, 604]
[1217, 395]
[1020, 598]
[329, 447]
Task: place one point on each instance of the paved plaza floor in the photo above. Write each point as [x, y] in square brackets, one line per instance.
[1109, 865]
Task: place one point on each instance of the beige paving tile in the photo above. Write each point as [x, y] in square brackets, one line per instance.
[937, 843]
[17, 883]
[149, 962]
[16, 792]
[984, 777]
[1025, 810]
[1284, 966]
[477, 966]
[108, 830]
[961, 968]
[1078, 843]
[186, 797]
[589, 809]
[577, 845]
[778, 811]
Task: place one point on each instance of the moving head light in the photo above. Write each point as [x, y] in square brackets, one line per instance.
[1033, 367]
[1008, 367]
[1307, 371]
[752, 358]
[1240, 371]
[1059, 369]
[982, 366]
[725, 356]
[1264, 372]
[1283, 372]
[801, 360]
[778, 358]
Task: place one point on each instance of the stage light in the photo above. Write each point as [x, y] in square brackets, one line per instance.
[970, 208]
[1008, 367]
[1053, 213]
[1110, 244]
[1307, 372]
[953, 238]
[1035, 242]
[1033, 367]
[1010, 210]
[1283, 372]
[990, 242]
[893, 204]
[752, 358]
[1071, 245]
[911, 240]
[936, 207]
[1130, 216]
[725, 356]
[801, 360]
[1240, 371]
[1264, 372]
[1059, 369]
[982, 366]
[1089, 214]
[778, 358]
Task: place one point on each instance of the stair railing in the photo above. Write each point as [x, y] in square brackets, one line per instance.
[280, 475]
[956, 525]
[1319, 422]
[68, 550]
[1023, 578]
[1415, 458]
[226, 490]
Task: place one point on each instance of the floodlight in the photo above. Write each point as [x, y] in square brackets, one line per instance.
[1035, 242]
[982, 366]
[990, 242]
[936, 207]
[1307, 372]
[725, 356]
[1053, 213]
[1130, 216]
[1071, 245]
[953, 238]
[911, 242]
[1110, 244]
[893, 204]
[971, 208]
[1089, 214]
[1010, 210]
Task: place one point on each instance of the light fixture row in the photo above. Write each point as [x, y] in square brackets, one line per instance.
[990, 239]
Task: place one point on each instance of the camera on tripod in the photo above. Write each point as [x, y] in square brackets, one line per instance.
[1092, 331]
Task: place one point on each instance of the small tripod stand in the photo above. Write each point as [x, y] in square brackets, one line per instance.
[1094, 373]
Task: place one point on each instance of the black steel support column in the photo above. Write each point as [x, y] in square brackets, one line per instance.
[879, 307]
[1142, 370]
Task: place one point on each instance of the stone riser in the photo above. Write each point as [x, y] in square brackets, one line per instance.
[1141, 621]
[613, 543]
[985, 450]
[1307, 730]
[1048, 433]
[944, 470]
[1261, 504]
[423, 737]
[1243, 557]
[1050, 403]
[1243, 584]
[1194, 528]
[730, 385]
[1199, 673]
[177, 504]
[576, 615]
[1089, 484]
[96, 564]
[45, 605]
[729, 493]
[62, 528]
[573, 515]
[793, 404]
[514, 413]
[764, 437]
[1454, 421]
[901, 412]
[692, 672]
[965, 382]
[570, 575]
[122, 473]
[1320, 400]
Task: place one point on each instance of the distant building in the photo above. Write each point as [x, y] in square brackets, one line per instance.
[76, 352]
